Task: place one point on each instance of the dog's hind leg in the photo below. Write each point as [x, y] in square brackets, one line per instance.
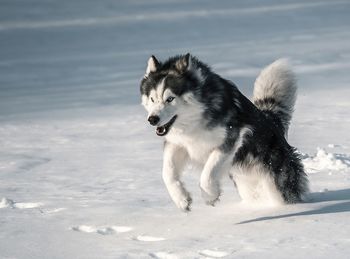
[213, 170]
[175, 159]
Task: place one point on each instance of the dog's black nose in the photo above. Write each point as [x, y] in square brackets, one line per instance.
[153, 120]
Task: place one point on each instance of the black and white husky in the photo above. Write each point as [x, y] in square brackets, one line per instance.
[207, 121]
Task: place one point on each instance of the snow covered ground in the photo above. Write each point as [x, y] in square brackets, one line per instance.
[80, 168]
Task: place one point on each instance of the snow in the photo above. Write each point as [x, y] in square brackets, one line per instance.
[109, 230]
[213, 253]
[80, 168]
[8, 203]
[149, 238]
[326, 161]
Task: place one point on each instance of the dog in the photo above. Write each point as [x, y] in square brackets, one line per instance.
[205, 120]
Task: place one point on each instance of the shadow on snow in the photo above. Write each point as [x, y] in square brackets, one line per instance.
[338, 195]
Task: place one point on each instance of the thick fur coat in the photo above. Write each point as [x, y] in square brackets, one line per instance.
[205, 120]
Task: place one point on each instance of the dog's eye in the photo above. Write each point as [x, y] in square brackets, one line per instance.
[170, 99]
[152, 100]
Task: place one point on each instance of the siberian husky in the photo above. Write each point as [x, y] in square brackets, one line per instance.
[205, 120]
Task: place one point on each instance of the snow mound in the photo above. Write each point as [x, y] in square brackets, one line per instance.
[149, 238]
[7, 203]
[326, 161]
[113, 230]
[213, 253]
[109, 230]
[164, 255]
[27, 205]
[85, 228]
[55, 210]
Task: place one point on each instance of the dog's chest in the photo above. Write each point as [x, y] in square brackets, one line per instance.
[199, 143]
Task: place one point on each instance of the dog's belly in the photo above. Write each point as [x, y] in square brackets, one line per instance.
[255, 185]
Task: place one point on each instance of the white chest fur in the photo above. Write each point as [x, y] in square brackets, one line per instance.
[255, 184]
[198, 143]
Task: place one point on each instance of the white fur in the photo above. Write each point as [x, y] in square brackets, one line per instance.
[217, 164]
[198, 143]
[144, 101]
[151, 66]
[174, 161]
[255, 185]
[199, 147]
[277, 81]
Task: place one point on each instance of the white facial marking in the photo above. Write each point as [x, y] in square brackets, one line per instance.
[160, 89]
[144, 100]
[156, 104]
[167, 93]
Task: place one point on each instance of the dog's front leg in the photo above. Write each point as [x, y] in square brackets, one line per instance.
[211, 175]
[175, 159]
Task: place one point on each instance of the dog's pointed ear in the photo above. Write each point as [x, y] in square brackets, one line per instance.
[152, 65]
[184, 63]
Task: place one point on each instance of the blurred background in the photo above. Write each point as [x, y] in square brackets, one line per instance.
[68, 56]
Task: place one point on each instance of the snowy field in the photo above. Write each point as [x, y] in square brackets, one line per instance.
[80, 169]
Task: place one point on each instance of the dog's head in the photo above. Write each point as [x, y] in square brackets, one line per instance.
[167, 91]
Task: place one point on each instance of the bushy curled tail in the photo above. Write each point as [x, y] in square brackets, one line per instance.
[275, 91]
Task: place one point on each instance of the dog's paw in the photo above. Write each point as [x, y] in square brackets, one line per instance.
[184, 204]
[210, 195]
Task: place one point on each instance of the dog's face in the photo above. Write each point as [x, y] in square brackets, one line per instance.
[166, 93]
[161, 104]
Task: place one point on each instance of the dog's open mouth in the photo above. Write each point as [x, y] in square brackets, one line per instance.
[163, 130]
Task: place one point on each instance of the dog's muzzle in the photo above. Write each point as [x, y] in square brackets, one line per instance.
[163, 130]
[153, 120]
